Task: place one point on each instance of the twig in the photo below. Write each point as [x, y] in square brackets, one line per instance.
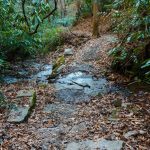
[81, 84]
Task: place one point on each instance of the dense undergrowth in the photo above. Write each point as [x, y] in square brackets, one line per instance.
[132, 54]
[16, 42]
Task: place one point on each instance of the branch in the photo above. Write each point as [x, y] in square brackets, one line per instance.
[46, 16]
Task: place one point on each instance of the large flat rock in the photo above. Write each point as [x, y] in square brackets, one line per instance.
[101, 144]
[20, 113]
[80, 86]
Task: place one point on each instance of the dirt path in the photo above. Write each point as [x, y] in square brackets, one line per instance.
[83, 109]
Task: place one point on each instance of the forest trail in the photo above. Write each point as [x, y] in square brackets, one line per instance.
[86, 107]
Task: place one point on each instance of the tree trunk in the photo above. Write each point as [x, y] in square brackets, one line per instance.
[78, 5]
[95, 19]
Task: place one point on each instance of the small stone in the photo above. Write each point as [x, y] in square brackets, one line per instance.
[68, 51]
[98, 144]
[25, 93]
[18, 114]
[133, 133]
[142, 132]
[117, 103]
[130, 133]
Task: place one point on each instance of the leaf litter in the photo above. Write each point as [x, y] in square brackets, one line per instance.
[98, 118]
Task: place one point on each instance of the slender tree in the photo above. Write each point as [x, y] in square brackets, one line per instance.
[95, 18]
[78, 6]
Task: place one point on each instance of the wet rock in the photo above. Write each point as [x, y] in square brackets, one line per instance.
[97, 144]
[31, 72]
[68, 51]
[79, 86]
[44, 74]
[18, 114]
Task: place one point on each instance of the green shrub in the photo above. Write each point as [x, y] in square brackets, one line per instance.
[132, 23]
[51, 39]
[14, 39]
[16, 42]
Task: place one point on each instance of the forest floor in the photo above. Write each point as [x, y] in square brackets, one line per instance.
[68, 116]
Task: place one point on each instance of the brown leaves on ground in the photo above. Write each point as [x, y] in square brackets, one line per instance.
[98, 118]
